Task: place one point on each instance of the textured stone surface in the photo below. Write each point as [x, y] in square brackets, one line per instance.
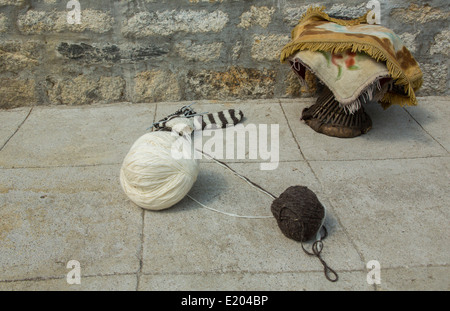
[419, 14]
[4, 23]
[237, 50]
[236, 82]
[12, 2]
[348, 10]
[268, 47]
[434, 79]
[17, 93]
[89, 53]
[441, 43]
[32, 49]
[292, 14]
[156, 85]
[199, 52]
[15, 62]
[207, 49]
[83, 90]
[164, 23]
[260, 16]
[38, 22]
[409, 40]
[110, 53]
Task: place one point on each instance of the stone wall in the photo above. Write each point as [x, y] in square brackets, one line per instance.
[173, 50]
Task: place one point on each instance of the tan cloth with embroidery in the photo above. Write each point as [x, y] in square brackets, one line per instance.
[348, 75]
[317, 31]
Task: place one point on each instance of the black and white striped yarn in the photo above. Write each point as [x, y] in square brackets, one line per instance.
[190, 122]
[220, 119]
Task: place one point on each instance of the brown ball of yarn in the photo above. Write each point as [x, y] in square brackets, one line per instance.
[299, 213]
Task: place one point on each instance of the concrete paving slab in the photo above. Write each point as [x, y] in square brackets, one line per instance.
[433, 114]
[53, 215]
[245, 281]
[415, 279]
[395, 134]
[188, 238]
[88, 283]
[394, 210]
[70, 136]
[10, 120]
[258, 116]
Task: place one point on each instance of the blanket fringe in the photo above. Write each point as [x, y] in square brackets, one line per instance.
[395, 72]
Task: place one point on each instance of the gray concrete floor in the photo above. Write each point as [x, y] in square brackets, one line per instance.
[386, 193]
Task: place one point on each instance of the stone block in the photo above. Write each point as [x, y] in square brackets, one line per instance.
[12, 2]
[144, 24]
[4, 22]
[434, 79]
[416, 14]
[38, 22]
[236, 82]
[84, 90]
[199, 52]
[268, 47]
[17, 92]
[110, 53]
[15, 62]
[257, 16]
[441, 43]
[156, 85]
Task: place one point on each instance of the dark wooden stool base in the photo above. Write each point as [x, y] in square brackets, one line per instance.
[328, 117]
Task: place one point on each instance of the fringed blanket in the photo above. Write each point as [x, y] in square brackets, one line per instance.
[341, 42]
[354, 78]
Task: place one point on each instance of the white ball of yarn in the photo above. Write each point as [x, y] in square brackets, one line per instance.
[151, 177]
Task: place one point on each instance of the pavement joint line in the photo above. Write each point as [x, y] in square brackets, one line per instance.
[154, 113]
[58, 166]
[234, 162]
[40, 278]
[424, 129]
[383, 159]
[292, 132]
[83, 107]
[18, 128]
[294, 271]
[49, 278]
[349, 238]
[248, 272]
[141, 250]
[142, 233]
[344, 229]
